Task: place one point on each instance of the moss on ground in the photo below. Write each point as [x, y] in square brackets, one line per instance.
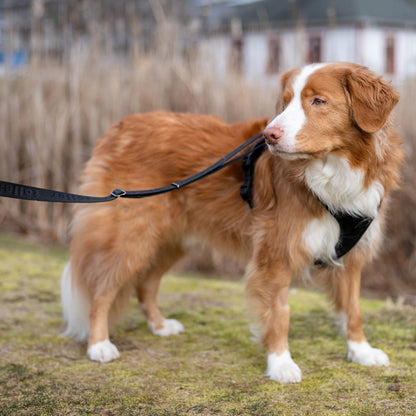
[212, 369]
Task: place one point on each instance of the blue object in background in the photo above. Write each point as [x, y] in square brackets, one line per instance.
[14, 60]
[18, 59]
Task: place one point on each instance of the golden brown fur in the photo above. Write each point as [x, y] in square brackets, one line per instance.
[129, 244]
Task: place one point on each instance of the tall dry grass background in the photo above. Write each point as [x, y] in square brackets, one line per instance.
[53, 110]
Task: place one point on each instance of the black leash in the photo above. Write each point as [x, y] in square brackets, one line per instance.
[17, 191]
[249, 163]
[352, 228]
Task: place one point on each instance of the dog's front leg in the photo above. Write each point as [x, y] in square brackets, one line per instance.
[270, 293]
[347, 302]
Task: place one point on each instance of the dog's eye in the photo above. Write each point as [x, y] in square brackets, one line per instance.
[319, 101]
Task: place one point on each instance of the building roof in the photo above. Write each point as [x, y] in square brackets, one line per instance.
[312, 12]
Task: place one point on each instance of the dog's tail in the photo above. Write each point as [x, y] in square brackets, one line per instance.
[75, 305]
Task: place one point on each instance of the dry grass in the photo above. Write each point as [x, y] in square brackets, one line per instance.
[53, 111]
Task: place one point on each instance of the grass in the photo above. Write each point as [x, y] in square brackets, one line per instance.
[212, 369]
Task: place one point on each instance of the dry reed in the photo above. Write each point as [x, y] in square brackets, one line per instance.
[53, 111]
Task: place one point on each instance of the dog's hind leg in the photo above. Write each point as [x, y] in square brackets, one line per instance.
[99, 346]
[102, 278]
[107, 301]
[108, 260]
[147, 288]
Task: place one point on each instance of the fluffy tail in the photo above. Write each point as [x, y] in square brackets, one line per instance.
[75, 305]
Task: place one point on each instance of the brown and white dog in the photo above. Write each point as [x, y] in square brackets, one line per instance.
[332, 143]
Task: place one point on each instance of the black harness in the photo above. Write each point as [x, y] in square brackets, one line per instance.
[352, 228]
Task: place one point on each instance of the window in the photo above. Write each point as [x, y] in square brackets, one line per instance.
[237, 54]
[315, 49]
[390, 54]
[237, 45]
[273, 62]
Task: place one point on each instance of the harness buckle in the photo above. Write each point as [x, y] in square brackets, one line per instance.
[117, 193]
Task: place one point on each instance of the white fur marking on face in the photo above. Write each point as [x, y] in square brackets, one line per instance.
[292, 119]
[170, 327]
[103, 352]
[362, 353]
[321, 236]
[342, 188]
[282, 368]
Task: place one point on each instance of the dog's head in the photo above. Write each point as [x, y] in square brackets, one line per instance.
[326, 107]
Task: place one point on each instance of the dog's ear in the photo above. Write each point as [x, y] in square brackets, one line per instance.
[371, 99]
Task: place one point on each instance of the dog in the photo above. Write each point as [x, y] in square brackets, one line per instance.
[331, 150]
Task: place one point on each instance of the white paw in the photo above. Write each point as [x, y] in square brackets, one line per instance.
[283, 369]
[362, 353]
[170, 327]
[103, 351]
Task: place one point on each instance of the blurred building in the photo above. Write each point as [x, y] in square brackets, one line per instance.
[264, 37]
[257, 38]
[47, 28]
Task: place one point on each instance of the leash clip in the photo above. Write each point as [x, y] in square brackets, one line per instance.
[117, 193]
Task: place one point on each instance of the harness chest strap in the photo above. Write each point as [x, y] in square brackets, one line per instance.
[352, 228]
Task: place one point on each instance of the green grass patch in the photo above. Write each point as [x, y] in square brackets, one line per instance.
[212, 369]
